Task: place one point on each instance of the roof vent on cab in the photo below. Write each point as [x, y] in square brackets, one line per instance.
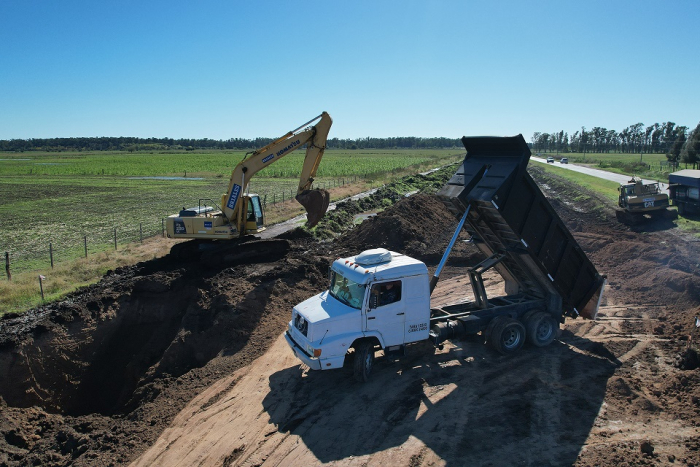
[375, 256]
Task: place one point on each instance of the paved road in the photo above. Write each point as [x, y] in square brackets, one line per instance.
[619, 178]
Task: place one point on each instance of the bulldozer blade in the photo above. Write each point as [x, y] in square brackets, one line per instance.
[316, 204]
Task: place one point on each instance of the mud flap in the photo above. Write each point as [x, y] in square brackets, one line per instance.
[316, 204]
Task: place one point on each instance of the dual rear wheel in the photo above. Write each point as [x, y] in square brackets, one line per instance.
[507, 335]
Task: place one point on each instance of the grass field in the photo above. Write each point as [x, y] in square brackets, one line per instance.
[208, 164]
[68, 199]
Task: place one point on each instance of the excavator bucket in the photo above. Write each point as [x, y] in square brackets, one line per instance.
[316, 204]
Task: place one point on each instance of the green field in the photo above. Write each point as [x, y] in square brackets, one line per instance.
[65, 199]
[209, 164]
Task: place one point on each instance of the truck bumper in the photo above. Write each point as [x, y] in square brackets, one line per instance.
[313, 363]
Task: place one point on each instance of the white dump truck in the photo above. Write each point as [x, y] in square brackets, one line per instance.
[380, 300]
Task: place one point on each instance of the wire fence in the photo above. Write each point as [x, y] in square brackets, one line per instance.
[73, 245]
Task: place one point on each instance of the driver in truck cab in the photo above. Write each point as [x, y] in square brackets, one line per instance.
[389, 294]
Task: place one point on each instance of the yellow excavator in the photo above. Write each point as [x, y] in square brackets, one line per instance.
[241, 213]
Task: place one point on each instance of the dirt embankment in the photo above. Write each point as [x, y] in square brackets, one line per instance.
[96, 378]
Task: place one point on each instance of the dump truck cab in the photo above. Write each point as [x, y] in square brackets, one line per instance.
[376, 298]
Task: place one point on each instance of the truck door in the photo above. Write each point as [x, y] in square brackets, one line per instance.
[386, 313]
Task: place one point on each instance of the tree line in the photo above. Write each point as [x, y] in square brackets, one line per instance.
[675, 141]
[165, 144]
[679, 144]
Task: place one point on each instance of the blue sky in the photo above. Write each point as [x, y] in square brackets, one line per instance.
[223, 69]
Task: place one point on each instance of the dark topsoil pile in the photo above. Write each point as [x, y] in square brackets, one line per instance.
[95, 378]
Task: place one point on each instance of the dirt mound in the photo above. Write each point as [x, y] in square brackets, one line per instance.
[419, 226]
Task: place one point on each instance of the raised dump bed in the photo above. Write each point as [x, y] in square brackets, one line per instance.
[515, 226]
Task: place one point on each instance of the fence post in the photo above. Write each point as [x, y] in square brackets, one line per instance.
[41, 287]
[7, 266]
[115, 238]
[141, 232]
[85, 243]
[51, 254]
[274, 198]
[283, 196]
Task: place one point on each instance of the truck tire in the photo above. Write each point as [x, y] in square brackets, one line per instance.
[507, 336]
[364, 360]
[541, 329]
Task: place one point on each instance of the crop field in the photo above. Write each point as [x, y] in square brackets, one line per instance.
[72, 199]
[336, 163]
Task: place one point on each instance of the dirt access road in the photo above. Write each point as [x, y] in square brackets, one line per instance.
[170, 363]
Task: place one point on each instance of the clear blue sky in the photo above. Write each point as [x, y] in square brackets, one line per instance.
[229, 68]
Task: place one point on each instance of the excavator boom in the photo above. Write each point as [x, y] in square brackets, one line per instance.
[314, 137]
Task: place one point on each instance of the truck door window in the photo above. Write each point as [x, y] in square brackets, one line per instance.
[386, 293]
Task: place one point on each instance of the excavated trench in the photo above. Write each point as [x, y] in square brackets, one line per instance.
[99, 352]
[94, 365]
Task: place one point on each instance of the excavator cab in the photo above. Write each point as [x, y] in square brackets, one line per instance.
[255, 219]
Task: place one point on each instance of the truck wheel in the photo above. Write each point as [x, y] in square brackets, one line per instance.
[541, 329]
[507, 336]
[364, 359]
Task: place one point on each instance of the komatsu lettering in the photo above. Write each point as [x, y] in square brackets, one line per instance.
[268, 158]
[235, 191]
[288, 148]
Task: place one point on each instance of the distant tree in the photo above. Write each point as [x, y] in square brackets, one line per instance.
[679, 137]
[690, 153]
[535, 140]
[667, 135]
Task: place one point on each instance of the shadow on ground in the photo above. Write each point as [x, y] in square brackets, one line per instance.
[468, 405]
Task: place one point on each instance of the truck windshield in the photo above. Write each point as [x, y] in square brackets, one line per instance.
[346, 291]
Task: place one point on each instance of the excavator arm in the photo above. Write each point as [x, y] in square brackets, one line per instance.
[314, 201]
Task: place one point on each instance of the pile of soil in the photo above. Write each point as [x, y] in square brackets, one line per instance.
[95, 378]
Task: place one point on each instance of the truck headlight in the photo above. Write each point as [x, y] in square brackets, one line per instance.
[314, 352]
